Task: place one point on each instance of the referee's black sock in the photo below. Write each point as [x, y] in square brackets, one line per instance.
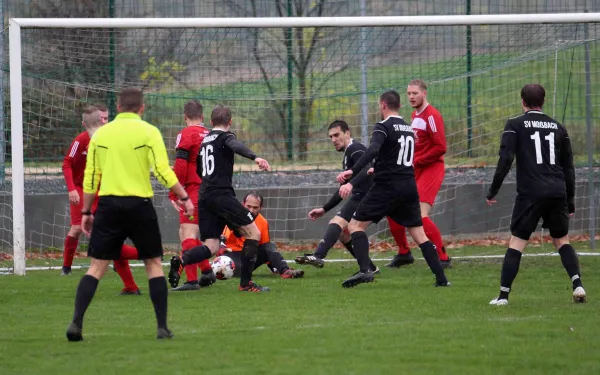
[158, 295]
[360, 241]
[433, 261]
[85, 292]
[249, 251]
[331, 236]
[510, 268]
[195, 255]
[571, 264]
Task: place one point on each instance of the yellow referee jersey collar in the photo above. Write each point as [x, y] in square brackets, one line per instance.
[125, 115]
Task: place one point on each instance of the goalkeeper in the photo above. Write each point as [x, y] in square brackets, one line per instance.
[232, 243]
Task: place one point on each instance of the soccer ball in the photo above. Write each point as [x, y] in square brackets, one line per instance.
[223, 267]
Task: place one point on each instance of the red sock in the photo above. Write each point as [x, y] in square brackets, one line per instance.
[124, 271]
[191, 271]
[69, 252]
[399, 234]
[205, 264]
[433, 233]
[129, 253]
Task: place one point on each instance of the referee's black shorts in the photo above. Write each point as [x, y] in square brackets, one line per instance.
[119, 218]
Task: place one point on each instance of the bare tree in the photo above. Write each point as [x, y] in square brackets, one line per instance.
[273, 46]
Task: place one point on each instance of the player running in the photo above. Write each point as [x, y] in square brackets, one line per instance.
[545, 187]
[187, 146]
[232, 243]
[341, 138]
[218, 206]
[73, 170]
[394, 191]
[430, 147]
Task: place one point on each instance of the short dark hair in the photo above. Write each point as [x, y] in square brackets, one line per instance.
[533, 95]
[391, 99]
[131, 99]
[255, 194]
[343, 125]
[101, 107]
[221, 115]
[193, 109]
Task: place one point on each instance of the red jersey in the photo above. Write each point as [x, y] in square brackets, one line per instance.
[187, 147]
[74, 162]
[430, 138]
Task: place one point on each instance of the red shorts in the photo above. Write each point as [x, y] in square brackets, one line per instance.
[193, 193]
[429, 181]
[77, 208]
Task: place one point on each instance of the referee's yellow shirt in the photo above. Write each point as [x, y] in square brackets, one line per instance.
[121, 154]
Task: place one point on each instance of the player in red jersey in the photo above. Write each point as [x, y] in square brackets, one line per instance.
[428, 126]
[187, 147]
[73, 168]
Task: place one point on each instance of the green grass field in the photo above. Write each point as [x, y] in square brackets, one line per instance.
[400, 324]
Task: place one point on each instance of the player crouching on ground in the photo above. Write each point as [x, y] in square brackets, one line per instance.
[232, 243]
[545, 188]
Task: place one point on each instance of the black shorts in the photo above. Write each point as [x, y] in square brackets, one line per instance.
[119, 218]
[399, 201]
[350, 207]
[527, 213]
[215, 211]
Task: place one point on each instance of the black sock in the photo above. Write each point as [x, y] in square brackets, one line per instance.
[85, 292]
[249, 251]
[350, 248]
[158, 295]
[510, 268]
[360, 241]
[195, 255]
[571, 264]
[331, 236]
[433, 261]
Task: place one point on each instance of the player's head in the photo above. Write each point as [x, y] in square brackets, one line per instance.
[103, 112]
[131, 99]
[389, 102]
[220, 116]
[532, 96]
[417, 93]
[91, 118]
[193, 112]
[339, 133]
[253, 201]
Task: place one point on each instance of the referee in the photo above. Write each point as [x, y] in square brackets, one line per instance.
[120, 157]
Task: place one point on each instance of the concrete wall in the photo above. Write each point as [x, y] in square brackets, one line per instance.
[460, 210]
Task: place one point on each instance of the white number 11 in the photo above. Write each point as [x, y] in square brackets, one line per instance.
[538, 147]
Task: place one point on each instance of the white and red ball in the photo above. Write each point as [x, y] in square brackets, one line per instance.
[223, 267]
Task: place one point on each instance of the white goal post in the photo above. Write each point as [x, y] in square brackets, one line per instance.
[16, 24]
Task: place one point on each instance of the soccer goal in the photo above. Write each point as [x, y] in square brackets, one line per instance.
[285, 80]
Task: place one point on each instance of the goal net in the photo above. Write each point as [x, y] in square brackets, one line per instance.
[285, 80]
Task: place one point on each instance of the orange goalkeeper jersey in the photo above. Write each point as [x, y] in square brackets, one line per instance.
[235, 243]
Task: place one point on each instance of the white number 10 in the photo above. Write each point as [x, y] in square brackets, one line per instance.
[407, 151]
[538, 147]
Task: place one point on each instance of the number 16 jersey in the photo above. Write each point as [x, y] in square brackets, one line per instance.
[215, 162]
[395, 158]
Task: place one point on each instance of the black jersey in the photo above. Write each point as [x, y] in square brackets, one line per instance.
[216, 158]
[393, 146]
[544, 157]
[352, 154]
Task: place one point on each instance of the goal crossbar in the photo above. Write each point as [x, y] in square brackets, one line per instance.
[272, 22]
[16, 92]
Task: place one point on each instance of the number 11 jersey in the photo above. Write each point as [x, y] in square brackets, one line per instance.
[395, 158]
[215, 162]
[543, 151]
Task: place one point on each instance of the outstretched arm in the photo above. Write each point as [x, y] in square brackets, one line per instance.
[238, 147]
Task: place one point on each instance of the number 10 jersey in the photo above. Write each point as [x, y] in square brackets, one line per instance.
[396, 155]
